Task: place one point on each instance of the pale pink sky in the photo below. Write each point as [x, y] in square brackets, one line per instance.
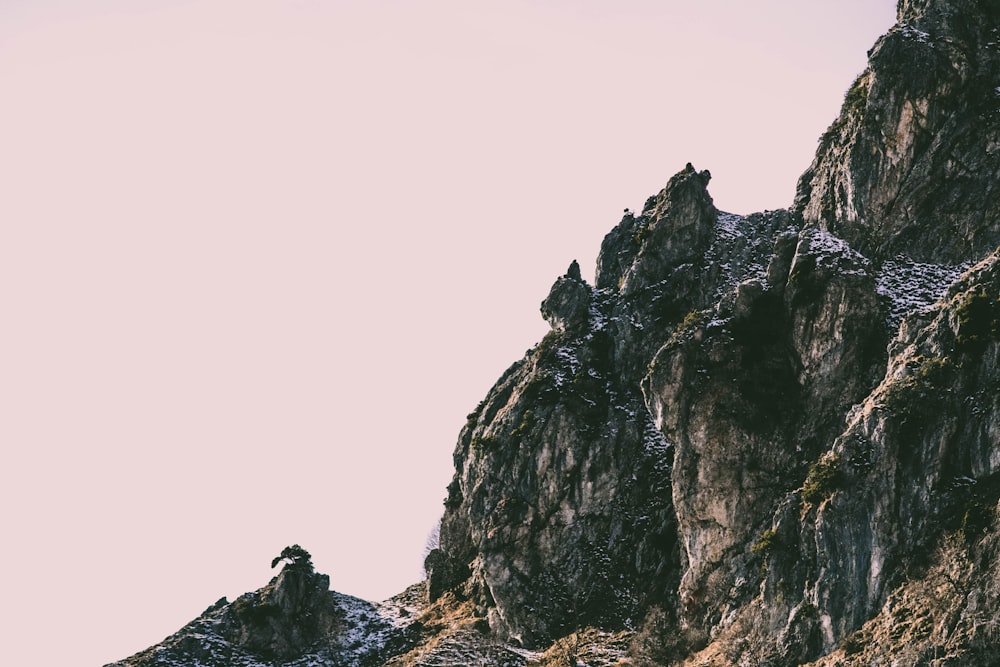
[259, 259]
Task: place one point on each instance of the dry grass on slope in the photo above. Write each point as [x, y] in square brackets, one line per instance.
[945, 615]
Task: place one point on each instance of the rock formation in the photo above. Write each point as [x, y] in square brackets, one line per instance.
[766, 439]
[911, 164]
[765, 347]
[294, 620]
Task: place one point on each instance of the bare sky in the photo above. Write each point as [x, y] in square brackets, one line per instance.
[259, 259]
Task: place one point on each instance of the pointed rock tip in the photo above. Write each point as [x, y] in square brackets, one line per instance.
[574, 271]
[689, 169]
[568, 303]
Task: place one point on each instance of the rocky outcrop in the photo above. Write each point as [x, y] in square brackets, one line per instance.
[285, 618]
[761, 345]
[784, 557]
[917, 456]
[759, 439]
[294, 620]
[550, 539]
[568, 305]
[749, 395]
[912, 164]
[561, 509]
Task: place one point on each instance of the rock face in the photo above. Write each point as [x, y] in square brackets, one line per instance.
[286, 617]
[912, 164]
[752, 395]
[759, 423]
[561, 512]
[916, 455]
[759, 440]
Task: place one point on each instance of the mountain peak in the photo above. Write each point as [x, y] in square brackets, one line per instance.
[293, 620]
[910, 164]
[757, 439]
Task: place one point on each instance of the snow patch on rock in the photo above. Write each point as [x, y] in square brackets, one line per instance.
[906, 286]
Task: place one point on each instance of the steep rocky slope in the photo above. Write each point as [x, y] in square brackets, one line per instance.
[766, 439]
[815, 442]
[910, 166]
[561, 512]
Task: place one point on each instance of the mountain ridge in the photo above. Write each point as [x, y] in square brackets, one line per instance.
[763, 439]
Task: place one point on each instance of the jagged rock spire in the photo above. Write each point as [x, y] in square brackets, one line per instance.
[674, 227]
[568, 304]
[573, 272]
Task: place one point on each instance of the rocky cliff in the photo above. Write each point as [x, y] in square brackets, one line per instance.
[765, 440]
[819, 424]
[910, 165]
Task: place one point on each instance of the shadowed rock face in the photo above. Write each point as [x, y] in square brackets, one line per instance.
[912, 452]
[751, 397]
[561, 509]
[911, 165]
[285, 618]
[561, 506]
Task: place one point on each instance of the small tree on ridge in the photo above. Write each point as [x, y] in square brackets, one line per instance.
[295, 557]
